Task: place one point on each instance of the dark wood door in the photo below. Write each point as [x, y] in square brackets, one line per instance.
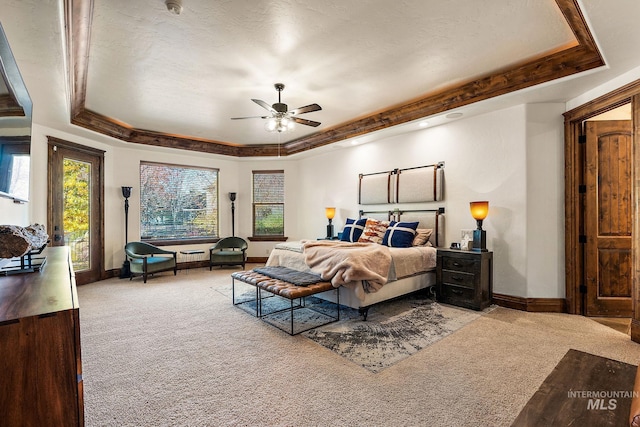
[75, 212]
[608, 218]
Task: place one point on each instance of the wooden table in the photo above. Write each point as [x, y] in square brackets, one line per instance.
[582, 390]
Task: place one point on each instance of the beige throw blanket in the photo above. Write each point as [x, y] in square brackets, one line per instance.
[348, 263]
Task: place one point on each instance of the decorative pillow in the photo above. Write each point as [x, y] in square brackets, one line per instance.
[400, 234]
[374, 231]
[422, 237]
[353, 230]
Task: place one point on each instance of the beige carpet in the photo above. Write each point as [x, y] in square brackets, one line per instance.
[175, 352]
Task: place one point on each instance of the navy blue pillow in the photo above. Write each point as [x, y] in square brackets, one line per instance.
[353, 230]
[400, 234]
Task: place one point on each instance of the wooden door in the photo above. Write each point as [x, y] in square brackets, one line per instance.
[75, 212]
[608, 218]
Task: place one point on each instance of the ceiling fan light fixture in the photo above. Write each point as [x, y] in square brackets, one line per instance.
[283, 120]
[271, 125]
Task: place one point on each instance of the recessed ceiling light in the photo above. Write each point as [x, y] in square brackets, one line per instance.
[423, 124]
[453, 115]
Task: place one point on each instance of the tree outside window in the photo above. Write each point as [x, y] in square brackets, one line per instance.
[268, 203]
[178, 203]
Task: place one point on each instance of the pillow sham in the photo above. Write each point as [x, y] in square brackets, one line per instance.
[422, 236]
[353, 230]
[400, 234]
[374, 230]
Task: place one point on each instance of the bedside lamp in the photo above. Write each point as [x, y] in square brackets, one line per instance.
[479, 211]
[330, 212]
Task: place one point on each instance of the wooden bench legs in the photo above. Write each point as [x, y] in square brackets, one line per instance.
[267, 287]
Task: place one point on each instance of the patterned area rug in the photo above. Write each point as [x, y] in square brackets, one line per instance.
[393, 331]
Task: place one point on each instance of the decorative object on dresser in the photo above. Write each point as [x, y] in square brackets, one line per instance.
[23, 243]
[40, 346]
[479, 211]
[125, 271]
[465, 278]
[330, 212]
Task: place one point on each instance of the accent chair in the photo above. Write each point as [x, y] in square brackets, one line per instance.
[228, 251]
[145, 259]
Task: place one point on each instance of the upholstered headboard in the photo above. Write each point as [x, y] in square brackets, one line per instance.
[426, 218]
[410, 185]
[375, 188]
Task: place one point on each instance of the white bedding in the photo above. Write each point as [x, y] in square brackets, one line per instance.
[405, 263]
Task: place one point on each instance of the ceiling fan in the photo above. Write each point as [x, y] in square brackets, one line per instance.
[281, 119]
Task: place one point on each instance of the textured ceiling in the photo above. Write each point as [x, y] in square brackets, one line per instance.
[125, 72]
[188, 74]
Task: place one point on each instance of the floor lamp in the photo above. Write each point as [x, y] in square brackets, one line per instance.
[232, 197]
[125, 271]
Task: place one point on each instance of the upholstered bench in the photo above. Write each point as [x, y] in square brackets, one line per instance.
[286, 290]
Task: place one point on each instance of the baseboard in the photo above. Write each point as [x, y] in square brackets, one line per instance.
[257, 260]
[539, 305]
[115, 272]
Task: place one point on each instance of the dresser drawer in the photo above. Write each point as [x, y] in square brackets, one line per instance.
[458, 278]
[459, 264]
[457, 295]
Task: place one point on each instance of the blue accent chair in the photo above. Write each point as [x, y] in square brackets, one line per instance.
[228, 251]
[145, 259]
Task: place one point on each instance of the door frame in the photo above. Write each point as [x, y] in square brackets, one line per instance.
[574, 227]
[97, 225]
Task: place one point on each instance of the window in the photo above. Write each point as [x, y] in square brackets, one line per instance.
[178, 203]
[268, 203]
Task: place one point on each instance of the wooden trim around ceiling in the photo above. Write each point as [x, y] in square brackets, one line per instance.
[576, 58]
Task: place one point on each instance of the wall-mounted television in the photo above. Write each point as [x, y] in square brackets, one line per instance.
[15, 127]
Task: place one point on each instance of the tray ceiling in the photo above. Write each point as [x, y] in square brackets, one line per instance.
[142, 74]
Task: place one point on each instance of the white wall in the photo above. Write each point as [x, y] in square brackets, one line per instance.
[512, 157]
[486, 158]
[545, 201]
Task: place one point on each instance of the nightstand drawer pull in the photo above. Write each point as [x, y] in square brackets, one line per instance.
[456, 291]
[458, 278]
[464, 265]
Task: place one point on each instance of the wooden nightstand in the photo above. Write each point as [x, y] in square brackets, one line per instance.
[465, 278]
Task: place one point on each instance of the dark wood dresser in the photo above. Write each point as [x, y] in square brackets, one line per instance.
[465, 278]
[40, 366]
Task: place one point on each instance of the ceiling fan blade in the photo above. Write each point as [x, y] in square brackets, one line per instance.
[305, 121]
[264, 105]
[250, 117]
[306, 109]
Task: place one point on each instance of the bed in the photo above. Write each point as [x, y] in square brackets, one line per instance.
[410, 269]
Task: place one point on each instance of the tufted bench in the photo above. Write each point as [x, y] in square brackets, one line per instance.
[286, 290]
